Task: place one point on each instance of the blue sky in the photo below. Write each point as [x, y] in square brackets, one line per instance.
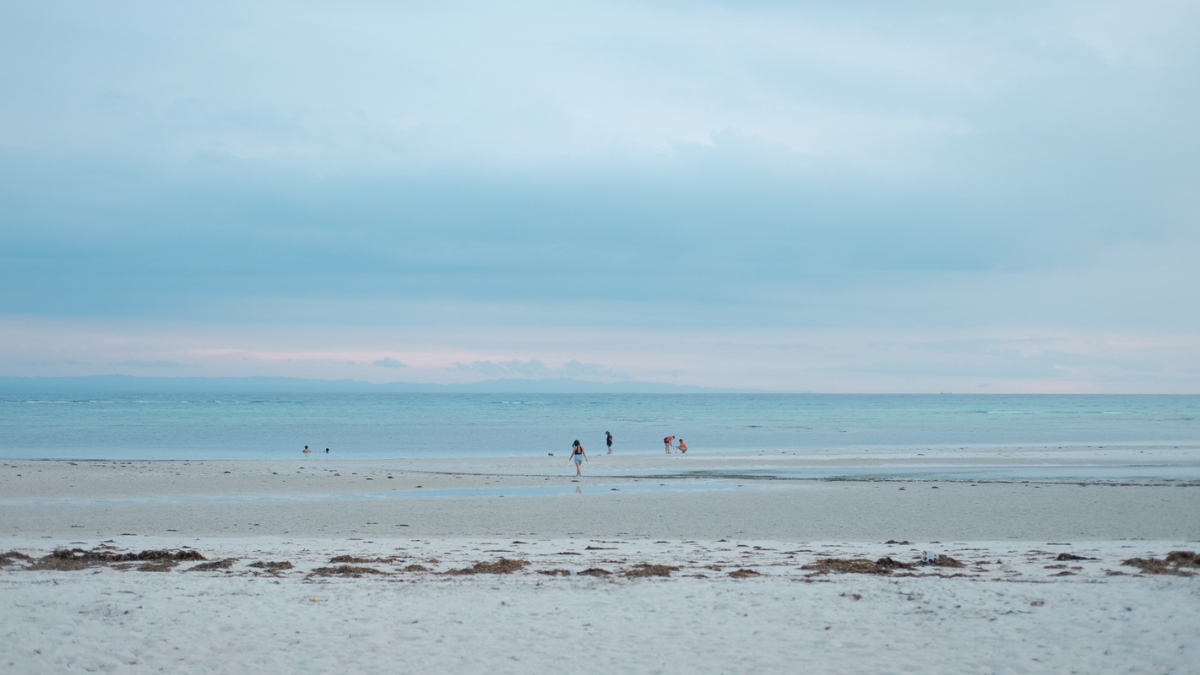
[867, 196]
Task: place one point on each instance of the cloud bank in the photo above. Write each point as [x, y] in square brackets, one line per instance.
[619, 171]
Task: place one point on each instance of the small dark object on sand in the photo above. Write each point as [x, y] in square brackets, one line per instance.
[555, 573]
[943, 560]
[272, 565]
[1175, 563]
[1071, 556]
[345, 571]
[416, 568]
[214, 565]
[353, 559]
[501, 566]
[902, 543]
[594, 572]
[856, 566]
[648, 570]
[11, 556]
[78, 559]
[744, 573]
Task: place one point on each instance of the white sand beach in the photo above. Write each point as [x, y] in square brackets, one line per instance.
[370, 582]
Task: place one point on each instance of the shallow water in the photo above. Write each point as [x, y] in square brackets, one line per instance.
[377, 426]
[514, 491]
[1156, 474]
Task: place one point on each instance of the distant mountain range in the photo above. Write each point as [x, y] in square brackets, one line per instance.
[128, 384]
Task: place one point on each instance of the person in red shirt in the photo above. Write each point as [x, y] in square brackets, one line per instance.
[682, 446]
[667, 442]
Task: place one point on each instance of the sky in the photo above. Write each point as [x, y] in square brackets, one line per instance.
[790, 196]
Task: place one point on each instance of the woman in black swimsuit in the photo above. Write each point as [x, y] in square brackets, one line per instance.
[578, 456]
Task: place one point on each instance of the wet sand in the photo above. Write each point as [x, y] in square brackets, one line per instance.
[752, 581]
[453, 498]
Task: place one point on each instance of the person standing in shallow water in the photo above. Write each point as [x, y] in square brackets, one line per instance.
[578, 456]
[608, 440]
[667, 442]
[306, 450]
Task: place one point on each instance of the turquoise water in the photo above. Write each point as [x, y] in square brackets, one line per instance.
[196, 426]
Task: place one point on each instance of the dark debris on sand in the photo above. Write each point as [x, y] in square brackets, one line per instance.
[648, 570]
[1176, 562]
[416, 568]
[345, 571]
[501, 566]
[595, 572]
[214, 565]
[344, 559]
[78, 559]
[271, 565]
[884, 565]
[744, 573]
[555, 573]
[943, 561]
[13, 556]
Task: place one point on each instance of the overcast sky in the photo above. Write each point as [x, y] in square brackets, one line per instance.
[813, 196]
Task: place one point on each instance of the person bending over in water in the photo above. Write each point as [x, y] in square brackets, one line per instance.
[577, 456]
[682, 446]
[667, 443]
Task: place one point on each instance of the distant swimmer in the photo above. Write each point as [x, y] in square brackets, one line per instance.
[667, 443]
[306, 450]
[327, 451]
[682, 446]
[578, 456]
[608, 440]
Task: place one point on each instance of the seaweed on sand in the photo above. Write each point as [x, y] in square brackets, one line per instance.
[214, 565]
[1175, 563]
[501, 566]
[11, 556]
[884, 565]
[272, 565]
[1071, 556]
[744, 573]
[594, 572]
[78, 559]
[352, 559]
[648, 570]
[345, 571]
[942, 560]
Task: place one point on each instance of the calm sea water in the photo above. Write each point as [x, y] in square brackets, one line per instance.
[206, 426]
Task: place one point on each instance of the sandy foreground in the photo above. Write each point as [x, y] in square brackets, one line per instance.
[754, 575]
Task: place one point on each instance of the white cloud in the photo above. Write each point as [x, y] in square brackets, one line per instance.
[389, 362]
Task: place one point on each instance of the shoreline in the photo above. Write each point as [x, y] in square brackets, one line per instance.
[353, 497]
[339, 564]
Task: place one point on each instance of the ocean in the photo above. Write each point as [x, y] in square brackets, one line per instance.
[390, 425]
